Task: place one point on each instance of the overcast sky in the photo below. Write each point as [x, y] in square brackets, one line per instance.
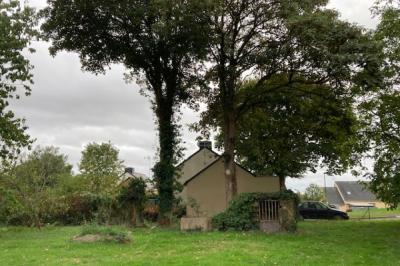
[69, 108]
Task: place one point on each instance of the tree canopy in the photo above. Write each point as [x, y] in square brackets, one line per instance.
[381, 110]
[302, 41]
[30, 184]
[101, 167]
[17, 29]
[157, 41]
[314, 192]
[295, 133]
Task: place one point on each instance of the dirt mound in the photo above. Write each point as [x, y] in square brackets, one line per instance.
[90, 238]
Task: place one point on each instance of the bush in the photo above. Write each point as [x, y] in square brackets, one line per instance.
[9, 206]
[133, 196]
[84, 207]
[241, 213]
[150, 212]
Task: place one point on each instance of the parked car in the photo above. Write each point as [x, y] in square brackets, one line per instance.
[318, 210]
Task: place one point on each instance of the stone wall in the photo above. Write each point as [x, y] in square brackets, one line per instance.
[196, 224]
[287, 221]
[288, 215]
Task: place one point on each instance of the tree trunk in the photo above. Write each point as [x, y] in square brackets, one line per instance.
[164, 169]
[229, 157]
[133, 216]
[282, 185]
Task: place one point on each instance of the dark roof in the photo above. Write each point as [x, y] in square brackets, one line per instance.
[354, 191]
[333, 196]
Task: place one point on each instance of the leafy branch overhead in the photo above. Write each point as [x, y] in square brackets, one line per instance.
[301, 128]
[379, 111]
[17, 30]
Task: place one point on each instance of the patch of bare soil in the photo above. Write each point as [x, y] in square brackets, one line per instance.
[90, 238]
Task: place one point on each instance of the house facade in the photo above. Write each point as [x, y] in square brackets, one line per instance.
[203, 180]
[347, 195]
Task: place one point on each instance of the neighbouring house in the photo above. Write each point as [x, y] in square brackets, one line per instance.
[130, 173]
[203, 180]
[347, 195]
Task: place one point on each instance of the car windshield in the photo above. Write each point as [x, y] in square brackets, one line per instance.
[321, 206]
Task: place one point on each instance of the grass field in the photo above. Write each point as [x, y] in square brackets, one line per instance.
[373, 213]
[316, 243]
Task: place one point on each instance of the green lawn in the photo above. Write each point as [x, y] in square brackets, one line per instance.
[316, 243]
[374, 213]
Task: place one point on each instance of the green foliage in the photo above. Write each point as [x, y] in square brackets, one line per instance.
[384, 135]
[314, 192]
[240, 215]
[388, 33]
[380, 110]
[40, 189]
[9, 206]
[159, 42]
[101, 167]
[31, 185]
[84, 207]
[16, 30]
[301, 127]
[133, 195]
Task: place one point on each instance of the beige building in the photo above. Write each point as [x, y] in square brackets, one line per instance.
[203, 180]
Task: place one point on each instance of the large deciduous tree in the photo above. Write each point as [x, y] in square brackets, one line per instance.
[314, 193]
[101, 167]
[381, 111]
[157, 41]
[260, 39]
[295, 133]
[16, 32]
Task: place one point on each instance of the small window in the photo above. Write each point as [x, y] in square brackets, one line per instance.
[268, 210]
[312, 205]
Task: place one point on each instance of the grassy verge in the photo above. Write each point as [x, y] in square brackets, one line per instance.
[374, 213]
[316, 243]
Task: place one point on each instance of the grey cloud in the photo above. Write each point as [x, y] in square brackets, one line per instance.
[355, 11]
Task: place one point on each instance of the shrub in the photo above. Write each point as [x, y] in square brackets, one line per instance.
[133, 196]
[83, 207]
[9, 206]
[241, 213]
[151, 210]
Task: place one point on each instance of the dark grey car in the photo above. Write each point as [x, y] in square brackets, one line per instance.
[318, 210]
